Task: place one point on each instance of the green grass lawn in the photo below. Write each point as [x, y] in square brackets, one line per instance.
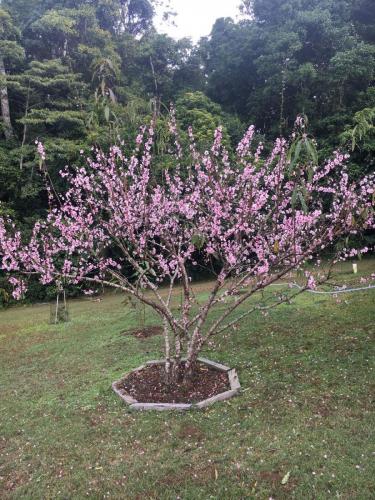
[307, 372]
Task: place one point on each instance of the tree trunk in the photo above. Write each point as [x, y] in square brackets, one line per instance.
[167, 351]
[8, 129]
[177, 368]
[25, 127]
[192, 357]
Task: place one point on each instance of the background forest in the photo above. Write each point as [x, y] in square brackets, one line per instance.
[78, 73]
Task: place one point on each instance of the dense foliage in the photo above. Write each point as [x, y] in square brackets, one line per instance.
[314, 57]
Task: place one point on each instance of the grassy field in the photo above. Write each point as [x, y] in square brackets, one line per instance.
[306, 413]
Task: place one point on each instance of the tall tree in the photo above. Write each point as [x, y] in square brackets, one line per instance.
[288, 57]
[10, 52]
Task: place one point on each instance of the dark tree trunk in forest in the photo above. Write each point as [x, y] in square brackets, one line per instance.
[25, 128]
[8, 129]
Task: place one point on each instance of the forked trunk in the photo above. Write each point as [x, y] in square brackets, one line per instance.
[173, 362]
[190, 367]
[8, 129]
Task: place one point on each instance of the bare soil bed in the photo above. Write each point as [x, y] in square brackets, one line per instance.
[146, 332]
[149, 385]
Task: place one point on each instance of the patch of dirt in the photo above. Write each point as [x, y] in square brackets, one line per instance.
[146, 332]
[149, 385]
[323, 407]
[274, 481]
[200, 475]
[12, 482]
[190, 432]
[323, 411]
[273, 477]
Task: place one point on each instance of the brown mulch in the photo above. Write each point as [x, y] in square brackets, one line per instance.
[146, 332]
[149, 386]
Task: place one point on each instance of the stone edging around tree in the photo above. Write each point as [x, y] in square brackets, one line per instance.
[234, 383]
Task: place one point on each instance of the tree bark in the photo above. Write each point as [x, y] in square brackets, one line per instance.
[177, 368]
[167, 350]
[8, 129]
[192, 357]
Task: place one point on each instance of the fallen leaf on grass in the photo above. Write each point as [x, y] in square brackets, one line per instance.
[285, 479]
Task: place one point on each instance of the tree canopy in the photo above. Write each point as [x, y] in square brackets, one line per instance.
[88, 73]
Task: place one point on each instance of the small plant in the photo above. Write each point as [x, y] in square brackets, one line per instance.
[59, 310]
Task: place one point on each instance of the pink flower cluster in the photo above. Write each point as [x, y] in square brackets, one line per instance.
[19, 287]
[41, 150]
[250, 215]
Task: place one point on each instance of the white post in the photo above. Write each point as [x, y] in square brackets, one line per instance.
[57, 308]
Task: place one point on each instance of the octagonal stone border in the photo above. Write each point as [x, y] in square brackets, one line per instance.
[234, 384]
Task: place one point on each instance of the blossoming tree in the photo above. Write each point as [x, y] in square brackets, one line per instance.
[252, 217]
